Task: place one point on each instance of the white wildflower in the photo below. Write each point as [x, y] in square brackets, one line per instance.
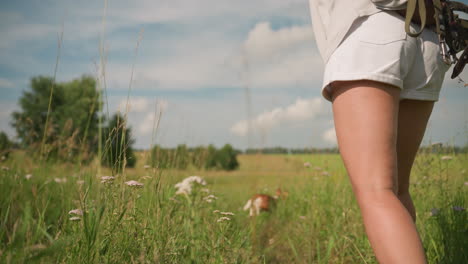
[75, 218]
[302, 217]
[5, 168]
[446, 157]
[146, 167]
[107, 179]
[271, 241]
[134, 183]
[185, 186]
[60, 180]
[317, 168]
[210, 198]
[466, 183]
[28, 176]
[80, 182]
[205, 190]
[325, 173]
[227, 213]
[307, 164]
[216, 211]
[222, 219]
[76, 212]
[196, 179]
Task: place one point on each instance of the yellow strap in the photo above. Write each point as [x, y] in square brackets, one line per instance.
[410, 10]
[437, 14]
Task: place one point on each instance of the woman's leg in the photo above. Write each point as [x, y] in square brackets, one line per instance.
[366, 121]
[412, 122]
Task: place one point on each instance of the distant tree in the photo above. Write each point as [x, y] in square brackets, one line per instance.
[211, 157]
[227, 158]
[118, 144]
[181, 158]
[198, 157]
[159, 158]
[5, 145]
[72, 127]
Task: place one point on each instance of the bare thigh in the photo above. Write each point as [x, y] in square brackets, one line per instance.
[366, 116]
[412, 121]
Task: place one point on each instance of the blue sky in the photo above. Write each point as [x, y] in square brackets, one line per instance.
[194, 62]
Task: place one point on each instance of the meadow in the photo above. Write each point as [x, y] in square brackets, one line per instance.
[318, 221]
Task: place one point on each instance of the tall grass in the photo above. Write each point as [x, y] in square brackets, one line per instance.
[318, 222]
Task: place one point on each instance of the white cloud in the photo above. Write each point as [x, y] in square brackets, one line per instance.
[186, 48]
[280, 58]
[150, 11]
[263, 42]
[329, 136]
[6, 109]
[151, 116]
[134, 104]
[146, 126]
[25, 32]
[4, 83]
[301, 110]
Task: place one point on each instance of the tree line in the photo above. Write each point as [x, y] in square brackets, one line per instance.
[60, 121]
[183, 157]
[63, 121]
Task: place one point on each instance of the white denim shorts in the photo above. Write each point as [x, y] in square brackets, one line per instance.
[377, 48]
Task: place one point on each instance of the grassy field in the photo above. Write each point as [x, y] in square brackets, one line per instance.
[318, 222]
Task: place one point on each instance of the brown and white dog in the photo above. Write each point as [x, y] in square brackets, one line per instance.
[263, 202]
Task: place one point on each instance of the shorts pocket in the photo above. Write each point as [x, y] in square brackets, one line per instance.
[382, 28]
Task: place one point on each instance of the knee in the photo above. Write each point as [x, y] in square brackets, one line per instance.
[374, 196]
